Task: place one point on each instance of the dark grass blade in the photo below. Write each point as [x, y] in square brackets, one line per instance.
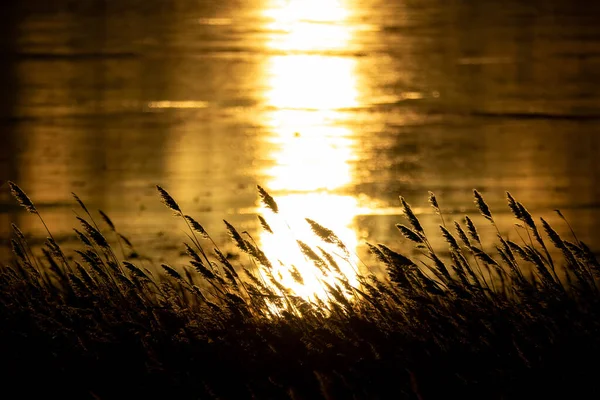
[267, 200]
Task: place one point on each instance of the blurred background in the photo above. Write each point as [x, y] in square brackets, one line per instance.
[336, 107]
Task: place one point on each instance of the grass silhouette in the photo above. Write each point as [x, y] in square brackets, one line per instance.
[515, 322]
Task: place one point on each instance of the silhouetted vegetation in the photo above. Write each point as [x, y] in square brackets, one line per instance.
[515, 322]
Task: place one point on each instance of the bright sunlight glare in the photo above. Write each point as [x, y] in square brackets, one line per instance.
[308, 86]
[290, 226]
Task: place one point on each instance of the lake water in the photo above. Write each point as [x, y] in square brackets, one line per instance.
[335, 107]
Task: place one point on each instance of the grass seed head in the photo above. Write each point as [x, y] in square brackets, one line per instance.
[22, 198]
[168, 200]
[267, 200]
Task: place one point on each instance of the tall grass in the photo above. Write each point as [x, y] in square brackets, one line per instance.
[514, 322]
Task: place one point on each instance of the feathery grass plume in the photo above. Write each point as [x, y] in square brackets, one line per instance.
[450, 239]
[373, 292]
[264, 224]
[25, 202]
[514, 207]
[344, 282]
[296, 275]
[507, 249]
[90, 282]
[253, 278]
[136, 271]
[221, 257]
[397, 266]
[169, 201]
[463, 263]
[508, 252]
[553, 235]
[481, 205]
[82, 238]
[538, 261]
[412, 218]
[485, 257]
[577, 263]
[436, 207]
[94, 234]
[330, 260]
[377, 253]
[267, 199]
[472, 230]
[278, 285]
[205, 272]
[192, 253]
[18, 249]
[519, 250]
[90, 258]
[197, 227]
[53, 247]
[338, 296]
[230, 277]
[434, 203]
[218, 276]
[576, 250]
[326, 234]
[237, 238]
[81, 204]
[505, 257]
[314, 257]
[107, 220]
[22, 198]
[462, 235]
[526, 217]
[170, 271]
[409, 233]
[441, 267]
[258, 254]
[459, 268]
[17, 231]
[124, 239]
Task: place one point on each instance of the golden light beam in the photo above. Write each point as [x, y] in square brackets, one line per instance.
[308, 86]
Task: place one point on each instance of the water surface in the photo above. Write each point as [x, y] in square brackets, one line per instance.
[336, 107]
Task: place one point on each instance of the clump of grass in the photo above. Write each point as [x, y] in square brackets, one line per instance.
[475, 322]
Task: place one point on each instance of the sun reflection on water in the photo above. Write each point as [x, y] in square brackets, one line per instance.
[308, 86]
